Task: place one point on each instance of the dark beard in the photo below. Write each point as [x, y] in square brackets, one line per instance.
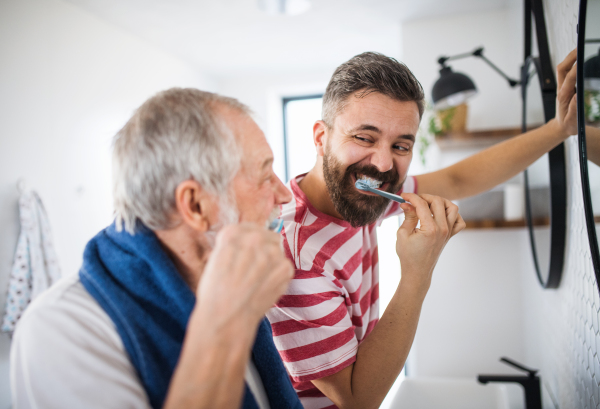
[356, 208]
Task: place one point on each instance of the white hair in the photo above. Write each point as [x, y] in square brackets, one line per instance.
[174, 136]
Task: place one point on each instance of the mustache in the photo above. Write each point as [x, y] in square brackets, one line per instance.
[391, 176]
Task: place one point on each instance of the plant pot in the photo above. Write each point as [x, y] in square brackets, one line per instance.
[452, 120]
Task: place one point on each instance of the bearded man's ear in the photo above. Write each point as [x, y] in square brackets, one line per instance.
[320, 137]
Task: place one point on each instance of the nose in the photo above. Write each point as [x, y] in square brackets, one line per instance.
[282, 193]
[382, 159]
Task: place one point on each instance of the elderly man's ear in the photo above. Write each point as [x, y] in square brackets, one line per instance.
[195, 206]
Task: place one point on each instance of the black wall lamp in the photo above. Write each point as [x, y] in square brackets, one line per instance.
[454, 88]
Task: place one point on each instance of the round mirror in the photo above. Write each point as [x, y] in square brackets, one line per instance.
[537, 176]
[588, 115]
[545, 188]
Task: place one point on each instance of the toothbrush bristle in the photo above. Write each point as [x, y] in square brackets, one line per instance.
[361, 185]
[367, 181]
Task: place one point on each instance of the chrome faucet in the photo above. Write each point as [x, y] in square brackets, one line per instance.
[530, 382]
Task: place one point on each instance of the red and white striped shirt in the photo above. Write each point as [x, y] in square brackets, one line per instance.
[332, 303]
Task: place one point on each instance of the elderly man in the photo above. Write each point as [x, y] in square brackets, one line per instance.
[168, 307]
[187, 165]
[327, 327]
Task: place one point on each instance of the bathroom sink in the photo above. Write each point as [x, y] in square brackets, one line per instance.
[449, 393]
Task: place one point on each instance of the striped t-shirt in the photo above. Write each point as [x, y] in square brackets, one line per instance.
[332, 303]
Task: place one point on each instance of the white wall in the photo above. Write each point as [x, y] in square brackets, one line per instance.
[499, 32]
[472, 314]
[68, 82]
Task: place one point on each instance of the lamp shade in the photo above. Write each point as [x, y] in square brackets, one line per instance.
[591, 73]
[452, 89]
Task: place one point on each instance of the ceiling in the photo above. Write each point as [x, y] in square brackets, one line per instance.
[227, 38]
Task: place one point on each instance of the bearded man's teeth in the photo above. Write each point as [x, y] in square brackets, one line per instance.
[373, 183]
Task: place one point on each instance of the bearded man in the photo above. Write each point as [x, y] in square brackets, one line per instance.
[327, 327]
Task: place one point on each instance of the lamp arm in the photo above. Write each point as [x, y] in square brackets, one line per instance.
[442, 60]
[511, 82]
[479, 53]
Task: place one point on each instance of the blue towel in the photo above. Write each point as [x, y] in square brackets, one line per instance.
[138, 286]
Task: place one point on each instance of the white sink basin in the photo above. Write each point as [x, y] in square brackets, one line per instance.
[449, 393]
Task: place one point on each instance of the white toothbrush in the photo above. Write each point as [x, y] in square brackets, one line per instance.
[370, 185]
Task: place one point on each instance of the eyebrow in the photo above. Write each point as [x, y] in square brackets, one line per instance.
[373, 128]
[267, 162]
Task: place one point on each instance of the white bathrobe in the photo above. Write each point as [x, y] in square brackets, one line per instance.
[35, 266]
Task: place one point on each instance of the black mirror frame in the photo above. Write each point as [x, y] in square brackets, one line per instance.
[556, 157]
[583, 161]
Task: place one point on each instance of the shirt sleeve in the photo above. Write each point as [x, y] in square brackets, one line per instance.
[312, 328]
[67, 354]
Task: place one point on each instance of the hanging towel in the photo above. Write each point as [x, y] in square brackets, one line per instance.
[35, 266]
[138, 286]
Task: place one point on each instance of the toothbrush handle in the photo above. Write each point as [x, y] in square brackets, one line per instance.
[387, 195]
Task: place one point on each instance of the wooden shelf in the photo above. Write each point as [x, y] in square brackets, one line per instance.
[476, 139]
[481, 140]
[495, 224]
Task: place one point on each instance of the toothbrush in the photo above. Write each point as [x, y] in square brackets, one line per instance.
[276, 225]
[369, 185]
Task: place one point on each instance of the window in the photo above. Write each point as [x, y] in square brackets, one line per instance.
[299, 116]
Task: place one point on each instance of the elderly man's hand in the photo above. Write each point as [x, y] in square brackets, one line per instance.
[420, 248]
[246, 274]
